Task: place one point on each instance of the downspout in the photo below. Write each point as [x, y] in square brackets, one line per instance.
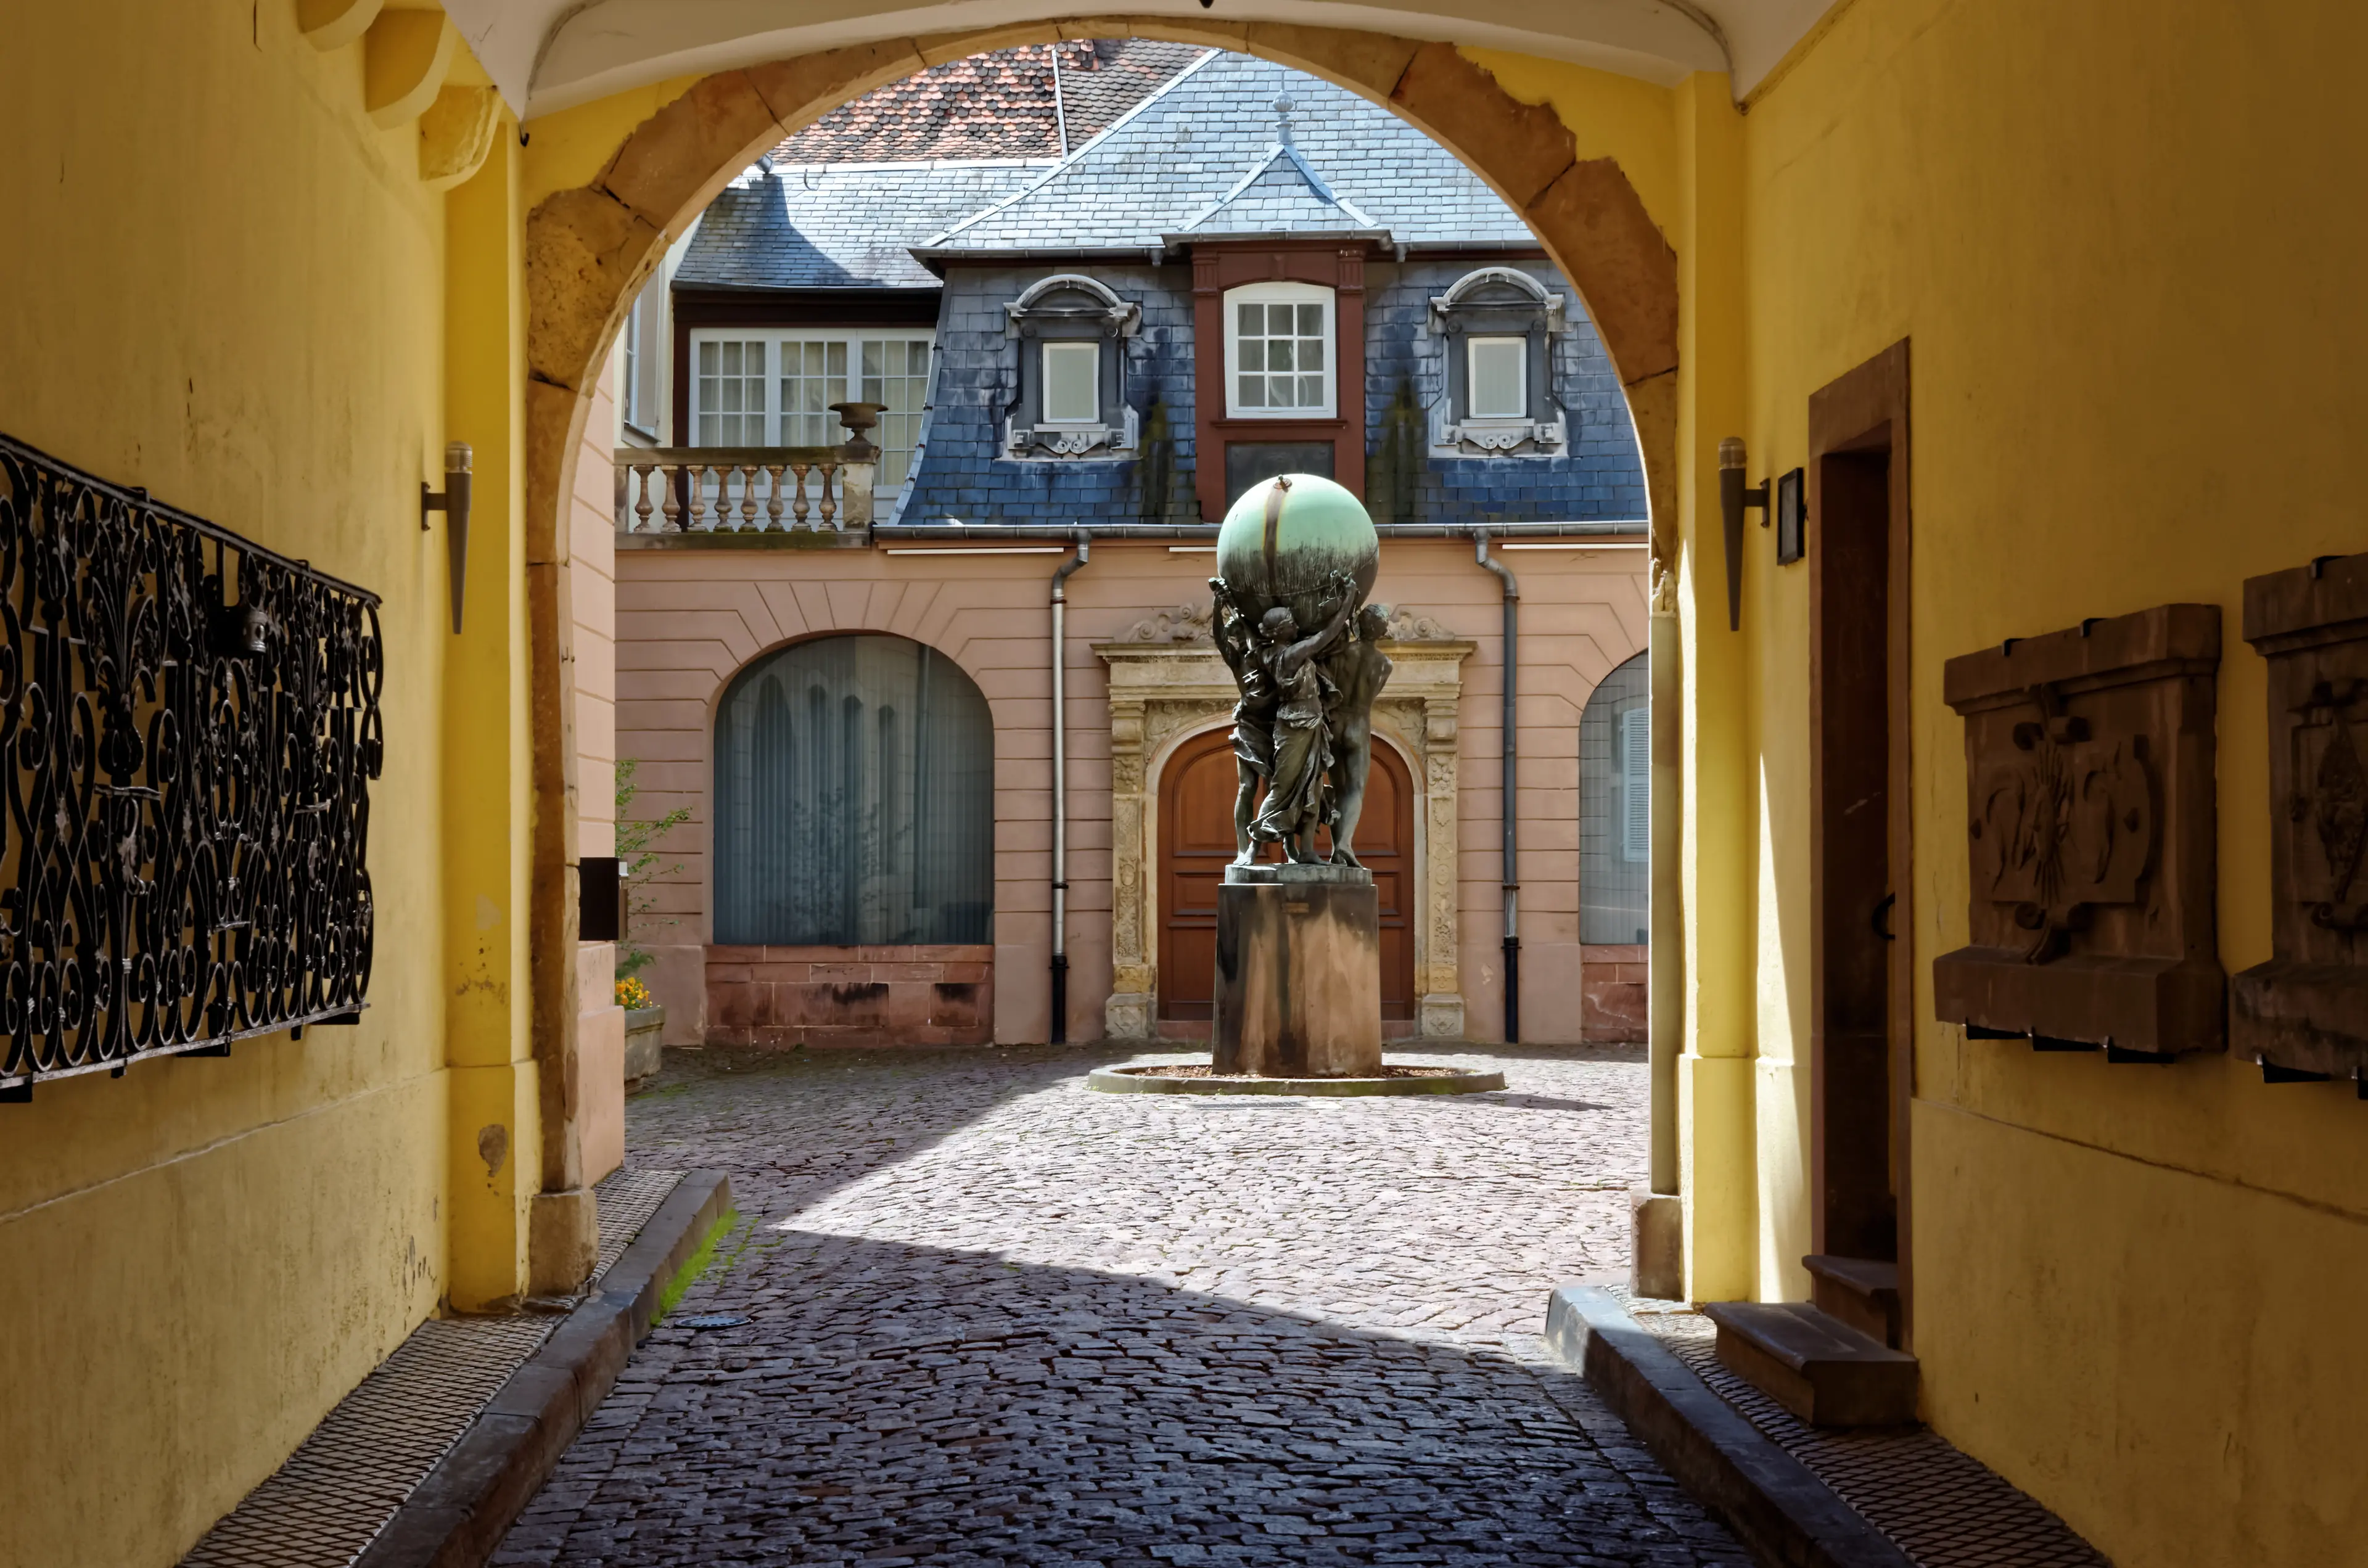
[1061, 788]
[1506, 796]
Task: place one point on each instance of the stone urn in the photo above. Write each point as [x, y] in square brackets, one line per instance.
[860, 419]
[644, 1052]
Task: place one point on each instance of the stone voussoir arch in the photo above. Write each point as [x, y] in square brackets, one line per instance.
[589, 249]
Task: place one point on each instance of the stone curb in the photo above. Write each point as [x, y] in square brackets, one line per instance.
[1777, 1507]
[1117, 1080]
[459, 1512]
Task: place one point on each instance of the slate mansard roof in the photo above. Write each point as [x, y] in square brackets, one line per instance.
[843, 226]
[1211, 154]
[1205, 155]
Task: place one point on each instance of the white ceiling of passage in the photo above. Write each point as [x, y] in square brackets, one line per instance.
[551, 55]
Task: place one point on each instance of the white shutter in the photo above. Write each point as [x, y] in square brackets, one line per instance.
[1636, 784]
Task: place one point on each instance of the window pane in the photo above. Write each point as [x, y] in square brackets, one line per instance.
[808, 388]
[854, 799]
[1251, 320]
[1311, 321]
[1500, 379]
[1071, 370]
[1311, 391]
[729, 395]
[1252, 393]
[1278, 354]
[1615, 808]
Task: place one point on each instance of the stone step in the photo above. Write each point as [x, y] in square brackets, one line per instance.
[1815, 1364]
[1861, 1291]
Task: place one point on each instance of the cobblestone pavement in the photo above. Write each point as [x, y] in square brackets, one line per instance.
[983, 1315]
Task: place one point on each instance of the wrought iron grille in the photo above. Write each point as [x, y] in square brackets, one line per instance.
[189, 722]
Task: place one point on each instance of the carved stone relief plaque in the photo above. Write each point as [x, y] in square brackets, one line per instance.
[2089, 760]
[2307, 1009]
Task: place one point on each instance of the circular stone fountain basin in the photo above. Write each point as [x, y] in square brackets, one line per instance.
[1191, 1078]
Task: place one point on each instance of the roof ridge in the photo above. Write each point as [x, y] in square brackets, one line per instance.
[1274, 149]
[1065, 165]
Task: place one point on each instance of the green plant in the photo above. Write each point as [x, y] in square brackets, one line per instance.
[635, 841]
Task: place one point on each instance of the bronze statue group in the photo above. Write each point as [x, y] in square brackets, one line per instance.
[1304, 725]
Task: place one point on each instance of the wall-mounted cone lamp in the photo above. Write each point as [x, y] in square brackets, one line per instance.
[1733, 497]
[454, 503]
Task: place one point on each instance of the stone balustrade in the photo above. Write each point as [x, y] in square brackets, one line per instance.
[745, 489]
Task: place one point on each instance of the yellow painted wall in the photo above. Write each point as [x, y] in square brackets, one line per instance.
[223, 283]
[2126, 250]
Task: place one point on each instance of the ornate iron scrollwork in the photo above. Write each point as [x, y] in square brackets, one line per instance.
[189, 722]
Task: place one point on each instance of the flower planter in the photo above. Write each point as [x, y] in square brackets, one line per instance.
[642, 1052]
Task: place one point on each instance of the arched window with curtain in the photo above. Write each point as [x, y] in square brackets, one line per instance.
[854, 799]
[1615, 808]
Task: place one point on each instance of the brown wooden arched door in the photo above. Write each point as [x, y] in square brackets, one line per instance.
[1196, 839]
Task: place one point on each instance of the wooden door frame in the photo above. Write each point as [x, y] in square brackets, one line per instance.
[1867, 410]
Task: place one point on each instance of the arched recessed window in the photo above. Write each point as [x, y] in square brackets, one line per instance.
[854, 799]
[1615, 808]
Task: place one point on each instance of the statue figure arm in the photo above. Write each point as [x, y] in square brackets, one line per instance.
[1306, 648]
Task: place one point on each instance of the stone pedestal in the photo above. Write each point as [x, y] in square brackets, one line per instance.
[1299, 970]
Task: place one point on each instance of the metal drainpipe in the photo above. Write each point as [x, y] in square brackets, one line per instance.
[1508, 799]
[1061, 788]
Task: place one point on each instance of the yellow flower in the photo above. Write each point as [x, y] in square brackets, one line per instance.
[631, 994]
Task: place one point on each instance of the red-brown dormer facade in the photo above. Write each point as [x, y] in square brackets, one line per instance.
[1224, 433]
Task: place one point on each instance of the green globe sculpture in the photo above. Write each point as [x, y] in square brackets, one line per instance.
[1285, 538]
[1296, 558]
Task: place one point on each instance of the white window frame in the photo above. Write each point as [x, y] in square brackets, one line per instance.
[1090, 349]
[776, 338]
[1276, 294]
[1471, 413]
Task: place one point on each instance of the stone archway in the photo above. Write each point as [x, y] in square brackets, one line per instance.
[589, 247]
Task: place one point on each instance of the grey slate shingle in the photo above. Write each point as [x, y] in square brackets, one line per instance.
[1181, 151]
[843, 226]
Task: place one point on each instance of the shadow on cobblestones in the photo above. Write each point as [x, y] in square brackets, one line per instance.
[993, 1318]
[905, 1405]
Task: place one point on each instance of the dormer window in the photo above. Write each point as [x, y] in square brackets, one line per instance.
[1068, 393]
[1278, 344]
[1497, 325]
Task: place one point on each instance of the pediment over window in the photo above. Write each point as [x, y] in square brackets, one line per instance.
[1497, 288]
[1069, 298]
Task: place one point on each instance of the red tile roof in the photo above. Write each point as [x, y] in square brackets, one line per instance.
[998, 105]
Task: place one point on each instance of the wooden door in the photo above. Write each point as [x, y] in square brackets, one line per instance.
[1196, 839]
[1863, 962]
